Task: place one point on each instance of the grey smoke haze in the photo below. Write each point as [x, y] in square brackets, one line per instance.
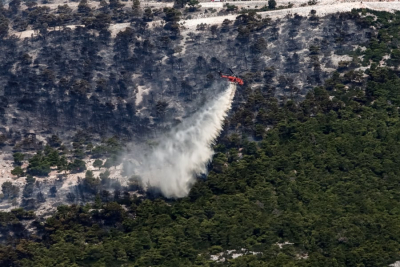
[185, 151]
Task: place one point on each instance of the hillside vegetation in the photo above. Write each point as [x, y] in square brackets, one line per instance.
[72, 99]
[324, 178]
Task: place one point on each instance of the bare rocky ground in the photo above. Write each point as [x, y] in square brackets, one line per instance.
[322, 10]
[322, 7]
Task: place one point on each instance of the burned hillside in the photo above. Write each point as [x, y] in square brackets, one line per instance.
[155, 71]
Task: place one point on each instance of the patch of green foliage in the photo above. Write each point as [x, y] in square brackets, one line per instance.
[41, 162]
[385, 38]
[13, 218]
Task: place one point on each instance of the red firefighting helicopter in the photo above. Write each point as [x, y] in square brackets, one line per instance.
[232, 78]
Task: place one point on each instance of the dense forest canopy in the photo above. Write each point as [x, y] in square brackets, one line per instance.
[292, 183]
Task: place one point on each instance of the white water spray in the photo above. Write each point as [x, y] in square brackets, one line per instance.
[186, 150]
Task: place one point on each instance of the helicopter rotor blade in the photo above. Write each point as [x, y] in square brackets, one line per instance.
[243, 71]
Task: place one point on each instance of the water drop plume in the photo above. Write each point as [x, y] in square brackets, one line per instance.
[185, 151]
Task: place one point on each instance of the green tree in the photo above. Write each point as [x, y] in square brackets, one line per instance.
[53, 191]
[98, 163]
[395, 57]
[29, 179]
[77, 166]
[219, 162]
[89, 147]
[90, 182]
[28, 190]
[89, 174]
[15, 5]
[148, 14]
[52, 157]
[18, 158]
[214, 31]
[18, 171]
[172, 14]
[6, 189]
[105, 195]
[62, 164]
[230, 7]
[193, 4]
[83, 7]
[9, 190]
[271, 4]
[100, 22]
[38, 165]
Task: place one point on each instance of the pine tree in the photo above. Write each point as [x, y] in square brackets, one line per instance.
[271, 4]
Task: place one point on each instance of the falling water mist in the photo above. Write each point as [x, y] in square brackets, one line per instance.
[182, 154]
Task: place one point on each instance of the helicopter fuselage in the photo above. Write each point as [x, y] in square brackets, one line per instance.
[232, 79]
